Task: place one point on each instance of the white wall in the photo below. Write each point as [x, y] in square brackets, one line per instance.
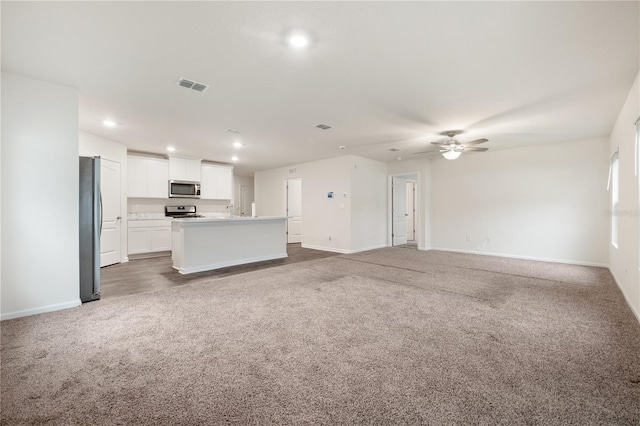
[544, 202]
[326, 222]
[623, 261]
[368, 204]
[92, 145]
[421, 167]
[40, 268]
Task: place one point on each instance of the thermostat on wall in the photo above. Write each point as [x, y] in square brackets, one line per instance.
[330, 195]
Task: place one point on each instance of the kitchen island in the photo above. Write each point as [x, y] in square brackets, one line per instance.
[203, 244]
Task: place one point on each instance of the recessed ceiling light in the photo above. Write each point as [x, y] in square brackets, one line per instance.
[298, 41]
[109, 123]
[234, 158]
[170, 149]
[237, 145]
[342, 147]
[399, 158]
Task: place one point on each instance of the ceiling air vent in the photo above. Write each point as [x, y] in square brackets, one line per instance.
[394, 149]
[234, 131]
[323, 126]
[193, 85]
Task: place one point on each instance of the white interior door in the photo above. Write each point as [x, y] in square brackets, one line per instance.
[411, 229]
[246, 198]
[399, 210]
[294, 210]
[111, 220]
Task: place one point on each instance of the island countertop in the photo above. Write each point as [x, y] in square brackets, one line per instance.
[225, 219]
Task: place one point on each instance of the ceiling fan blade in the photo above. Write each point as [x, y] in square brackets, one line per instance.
[476, 142]
[440, 143]
[424, 152]
[476, 149]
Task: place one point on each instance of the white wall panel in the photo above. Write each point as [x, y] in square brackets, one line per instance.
[624, 260]
[542, 202]
[40, 269]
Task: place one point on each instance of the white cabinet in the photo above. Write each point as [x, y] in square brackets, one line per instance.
[184, 169]
[147, 177]
[148, 236]
[216, 182]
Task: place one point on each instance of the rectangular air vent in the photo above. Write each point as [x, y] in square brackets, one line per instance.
[394, 149]
[193, 85]
[234, 131]
[323, 126]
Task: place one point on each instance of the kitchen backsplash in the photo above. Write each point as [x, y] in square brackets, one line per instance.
[152, 205]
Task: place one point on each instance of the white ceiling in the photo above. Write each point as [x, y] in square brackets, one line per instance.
[384, 74]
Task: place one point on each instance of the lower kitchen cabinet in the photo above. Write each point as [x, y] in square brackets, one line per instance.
[148, 236]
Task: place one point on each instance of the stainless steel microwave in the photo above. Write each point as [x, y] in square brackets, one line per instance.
[184, 189]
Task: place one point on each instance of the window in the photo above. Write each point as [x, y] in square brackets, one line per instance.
[615, 196]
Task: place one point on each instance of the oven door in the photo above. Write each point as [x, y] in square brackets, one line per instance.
[184, 189]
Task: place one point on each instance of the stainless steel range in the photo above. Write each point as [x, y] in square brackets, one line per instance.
[178, 212]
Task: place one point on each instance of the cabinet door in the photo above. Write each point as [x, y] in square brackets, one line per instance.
[225, 183]
[157, 178]
[139, 241]
[160, 239]
[137, 177]
[177, 168]
[192, 171]
[209, 182]
[184, 169]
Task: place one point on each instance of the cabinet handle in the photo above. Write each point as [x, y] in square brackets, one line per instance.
[118, 218]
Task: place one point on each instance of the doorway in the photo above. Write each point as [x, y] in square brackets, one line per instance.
[404, 210]
[294, 210]
[111, 217]
[399, 210]
[246, 200]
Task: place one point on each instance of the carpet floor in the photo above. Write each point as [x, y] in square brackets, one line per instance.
[390, 336]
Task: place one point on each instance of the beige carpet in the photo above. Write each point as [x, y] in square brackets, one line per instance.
[391, 336]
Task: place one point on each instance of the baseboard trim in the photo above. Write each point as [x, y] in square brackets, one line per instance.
[626, 298]
[513, 256]
[218, 265]
[368, 248]
[322, 248]
[149, 255]
[40, 310]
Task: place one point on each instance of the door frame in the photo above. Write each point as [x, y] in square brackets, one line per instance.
[414, 177]
[285, 204]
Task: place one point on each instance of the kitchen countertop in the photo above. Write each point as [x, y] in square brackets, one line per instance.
[146, 216]
[161, 216]
[223, 219]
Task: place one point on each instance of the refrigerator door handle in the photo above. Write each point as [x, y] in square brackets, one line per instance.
[97, 231]
[101, 212]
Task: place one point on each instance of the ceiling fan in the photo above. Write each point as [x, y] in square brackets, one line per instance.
[452, 149]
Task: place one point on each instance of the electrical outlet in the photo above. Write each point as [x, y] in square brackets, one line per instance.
[329, 237]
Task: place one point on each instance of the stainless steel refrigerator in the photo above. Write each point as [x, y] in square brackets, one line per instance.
[90, 228]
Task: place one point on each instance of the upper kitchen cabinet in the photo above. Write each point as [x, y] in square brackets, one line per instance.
[148, 177]
[217, 182]
[184, 169]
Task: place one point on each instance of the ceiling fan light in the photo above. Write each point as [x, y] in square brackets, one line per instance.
[451, 154]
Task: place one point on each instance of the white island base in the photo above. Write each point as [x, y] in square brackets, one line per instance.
[203, 244]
